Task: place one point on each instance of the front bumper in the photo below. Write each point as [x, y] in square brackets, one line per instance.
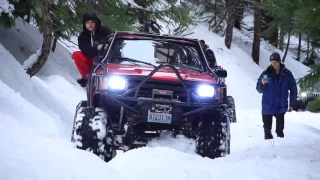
[144, 109]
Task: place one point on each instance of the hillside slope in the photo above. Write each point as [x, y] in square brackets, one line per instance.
[37, 115]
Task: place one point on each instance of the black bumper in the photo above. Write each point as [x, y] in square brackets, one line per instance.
[142, 108]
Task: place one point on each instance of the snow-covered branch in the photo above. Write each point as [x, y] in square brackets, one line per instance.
[158, 7]
[6, 8]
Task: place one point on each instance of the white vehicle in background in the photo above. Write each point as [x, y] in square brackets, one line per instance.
[304, 97]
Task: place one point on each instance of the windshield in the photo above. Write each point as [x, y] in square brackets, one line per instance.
[155, 52]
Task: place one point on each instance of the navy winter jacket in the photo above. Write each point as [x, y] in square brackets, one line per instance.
[88, 41]
[275, 92]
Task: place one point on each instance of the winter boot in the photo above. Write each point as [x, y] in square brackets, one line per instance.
[267, 135]
[280, 134]
[82, 82]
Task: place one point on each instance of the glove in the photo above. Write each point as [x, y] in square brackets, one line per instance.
[110, 38]
[99, 47]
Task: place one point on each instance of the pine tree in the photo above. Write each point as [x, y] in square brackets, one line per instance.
[151, 13]
[311, 79]
[213, 12]
[257, 33]
[282, 12]
[307, 17]
[231, 7]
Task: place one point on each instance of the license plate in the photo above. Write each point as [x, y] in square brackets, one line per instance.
[159, 117]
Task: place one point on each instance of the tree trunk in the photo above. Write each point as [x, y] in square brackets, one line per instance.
[54, 44]
[230, 4]
[287, 48]
[47, 38]
[28, 16]
[274, 37]
[256, 34]
[281, 39]
[239, 14]
[308, 48]
[299, 47]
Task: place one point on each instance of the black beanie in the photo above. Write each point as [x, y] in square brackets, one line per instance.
[275, 57]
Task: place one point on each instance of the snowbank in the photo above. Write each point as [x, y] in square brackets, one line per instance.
[296, 157]
[25, 40]
[244, 40]
[36, 117]
[25, 154]
[53, 94]
[298, 69]
[242, 73]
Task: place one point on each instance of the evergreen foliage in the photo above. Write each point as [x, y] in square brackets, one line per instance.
[150, 14]
[112, 13]
[7, 19]
[307, 17]
[312, 79]
[314, 106]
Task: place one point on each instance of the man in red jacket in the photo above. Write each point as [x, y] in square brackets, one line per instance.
[90, 42]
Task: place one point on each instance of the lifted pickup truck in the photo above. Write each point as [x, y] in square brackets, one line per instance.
[147, 83]
[307, 96]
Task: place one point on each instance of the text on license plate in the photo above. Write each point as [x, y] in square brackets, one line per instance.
[159, 117]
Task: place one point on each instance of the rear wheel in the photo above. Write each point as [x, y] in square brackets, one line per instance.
[92, 132]
[231, 109]
[213, 136]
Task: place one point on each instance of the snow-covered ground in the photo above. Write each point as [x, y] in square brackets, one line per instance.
[36, 116]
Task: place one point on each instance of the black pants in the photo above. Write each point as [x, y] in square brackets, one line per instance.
[267, 122]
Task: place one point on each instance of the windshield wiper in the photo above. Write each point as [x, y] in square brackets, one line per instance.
[187, 67]
[137, 61]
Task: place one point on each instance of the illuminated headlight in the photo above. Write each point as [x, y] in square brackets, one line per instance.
[115, 83]
[303, 94]
[205, 91]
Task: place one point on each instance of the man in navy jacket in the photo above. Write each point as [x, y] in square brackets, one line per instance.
[274, 84]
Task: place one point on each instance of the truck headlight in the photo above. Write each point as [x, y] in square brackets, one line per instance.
[206, 91]
[115, 83]
[303, 94]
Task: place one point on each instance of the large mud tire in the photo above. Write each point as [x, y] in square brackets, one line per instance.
[231, 109]
[92, 132]
[213, 136]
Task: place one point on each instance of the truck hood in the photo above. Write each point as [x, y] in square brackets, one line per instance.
[165, 74]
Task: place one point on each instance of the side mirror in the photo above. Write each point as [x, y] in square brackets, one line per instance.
[221, 73]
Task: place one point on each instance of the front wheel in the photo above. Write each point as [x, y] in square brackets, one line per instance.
[92, 132]
[213, 136]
